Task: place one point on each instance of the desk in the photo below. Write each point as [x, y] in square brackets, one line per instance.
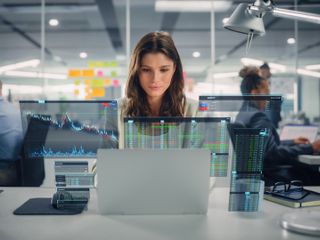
[309, 159]
[217, 224]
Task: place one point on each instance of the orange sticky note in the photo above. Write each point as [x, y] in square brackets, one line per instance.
[74, 73]
[98, 92]
[88, 90]
[107, 82]
[87, 82]
[88, 97]
[88, 73]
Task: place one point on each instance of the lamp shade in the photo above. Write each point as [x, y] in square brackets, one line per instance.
[243, 22]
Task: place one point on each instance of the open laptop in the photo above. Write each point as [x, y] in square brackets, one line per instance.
[290, 132]
[153, 181]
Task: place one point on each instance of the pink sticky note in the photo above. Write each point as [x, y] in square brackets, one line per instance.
[100, 73]
[115, 83]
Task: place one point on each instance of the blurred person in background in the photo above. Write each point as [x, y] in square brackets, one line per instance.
[265, 73]
[277, 154]
[11, 137]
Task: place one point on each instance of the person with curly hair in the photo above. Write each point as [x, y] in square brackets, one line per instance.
[280, 162]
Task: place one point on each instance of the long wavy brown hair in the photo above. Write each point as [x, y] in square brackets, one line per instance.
[174, 100]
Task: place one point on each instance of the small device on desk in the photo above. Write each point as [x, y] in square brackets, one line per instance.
[70, 198]
[305, 222]
[73, 181]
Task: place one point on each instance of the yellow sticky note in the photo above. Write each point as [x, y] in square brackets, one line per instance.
[99, 64]
[91, 64]
[77, 82]
[76, 92]
[98, 82]
[113, 64]
[106, 64]
[113, 73]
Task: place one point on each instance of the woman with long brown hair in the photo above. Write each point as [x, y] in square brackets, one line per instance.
[155, 84]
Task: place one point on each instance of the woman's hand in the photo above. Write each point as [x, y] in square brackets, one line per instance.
[301, 140]
[316, 146]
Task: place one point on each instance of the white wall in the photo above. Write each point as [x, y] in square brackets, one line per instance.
[311, 97]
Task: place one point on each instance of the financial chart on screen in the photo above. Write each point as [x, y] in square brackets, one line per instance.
[56, 129]
[239, 107]
[181, 132]
[246, 169]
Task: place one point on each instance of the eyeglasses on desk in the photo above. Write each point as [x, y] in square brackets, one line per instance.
[292, 190]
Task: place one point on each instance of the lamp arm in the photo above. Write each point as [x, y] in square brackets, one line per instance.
[296, 15]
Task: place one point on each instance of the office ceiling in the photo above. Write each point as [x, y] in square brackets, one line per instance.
[98, 27]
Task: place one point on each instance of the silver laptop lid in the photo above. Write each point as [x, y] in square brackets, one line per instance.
[141, 181]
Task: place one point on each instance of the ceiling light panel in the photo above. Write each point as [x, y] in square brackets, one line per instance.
[29, 63]
[192, 6]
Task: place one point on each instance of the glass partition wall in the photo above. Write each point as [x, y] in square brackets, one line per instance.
[81, 52]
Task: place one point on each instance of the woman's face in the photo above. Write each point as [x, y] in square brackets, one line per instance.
[263, 89]
[155, 74]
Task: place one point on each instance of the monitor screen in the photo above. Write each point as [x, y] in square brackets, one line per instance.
[236, 103]
[181, 132]
[246, 169]
[56, 129]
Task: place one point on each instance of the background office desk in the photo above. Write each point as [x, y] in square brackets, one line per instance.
[311, 160]
[217, 224]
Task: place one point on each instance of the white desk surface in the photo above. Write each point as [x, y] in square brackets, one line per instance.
[217, 224]
[310, 159]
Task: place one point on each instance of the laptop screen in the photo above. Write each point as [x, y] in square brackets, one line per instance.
[56, 129]
[181, 132]
[290, 132]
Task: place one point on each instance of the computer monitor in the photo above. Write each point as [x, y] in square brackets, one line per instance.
[247, 166]
[181, 132]
[233, 106]
[236, 103]
[75, 129]
[56, 130]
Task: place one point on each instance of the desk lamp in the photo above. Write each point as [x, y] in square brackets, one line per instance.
[248, 18]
